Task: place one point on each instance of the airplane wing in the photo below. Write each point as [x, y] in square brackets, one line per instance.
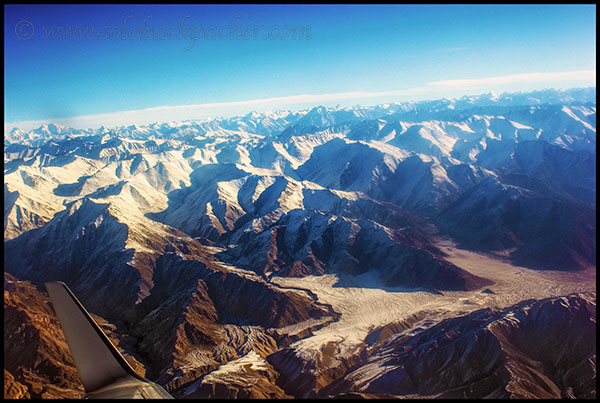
[103, 370]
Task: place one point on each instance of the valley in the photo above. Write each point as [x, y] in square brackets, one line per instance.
[401, 250]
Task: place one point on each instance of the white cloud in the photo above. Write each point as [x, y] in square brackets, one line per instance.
[434, 89]
[201, 111]
[582, 75]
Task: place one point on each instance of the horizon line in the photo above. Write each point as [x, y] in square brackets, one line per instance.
[148, 115]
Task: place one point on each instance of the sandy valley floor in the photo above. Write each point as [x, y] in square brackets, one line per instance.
[365, 306]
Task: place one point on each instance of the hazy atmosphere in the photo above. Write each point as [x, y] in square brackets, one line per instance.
[83, 66]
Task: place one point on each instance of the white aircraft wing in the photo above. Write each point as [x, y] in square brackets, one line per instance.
[103, 370]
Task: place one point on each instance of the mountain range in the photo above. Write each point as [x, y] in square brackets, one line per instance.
[206, 245]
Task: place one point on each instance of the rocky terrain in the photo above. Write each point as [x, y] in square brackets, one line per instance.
[37, 360]
[535, 349]
[315, 253]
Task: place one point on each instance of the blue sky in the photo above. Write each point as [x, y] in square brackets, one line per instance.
[355, 54]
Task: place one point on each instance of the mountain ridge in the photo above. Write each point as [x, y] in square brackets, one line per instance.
[259, 240]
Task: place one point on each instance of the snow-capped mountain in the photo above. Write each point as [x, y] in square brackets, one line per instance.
[214, 235]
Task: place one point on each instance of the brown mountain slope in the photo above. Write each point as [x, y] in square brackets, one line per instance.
[37, 360]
